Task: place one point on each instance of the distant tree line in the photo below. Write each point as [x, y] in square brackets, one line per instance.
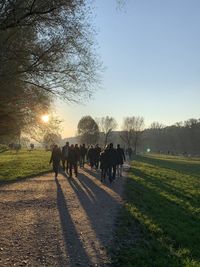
[180, 138]
[101, 130]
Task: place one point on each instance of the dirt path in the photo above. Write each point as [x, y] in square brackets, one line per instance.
[58, 222]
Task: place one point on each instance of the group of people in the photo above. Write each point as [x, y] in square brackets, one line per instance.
[109, 159]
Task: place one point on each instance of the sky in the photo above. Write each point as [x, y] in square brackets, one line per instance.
[150, 50]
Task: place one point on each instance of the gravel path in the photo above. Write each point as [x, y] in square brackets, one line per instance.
[58, 222]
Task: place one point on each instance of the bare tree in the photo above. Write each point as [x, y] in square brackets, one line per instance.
[106, 126]
[157, 125]
[132, 130]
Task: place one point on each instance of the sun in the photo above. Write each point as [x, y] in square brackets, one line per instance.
[45, 118]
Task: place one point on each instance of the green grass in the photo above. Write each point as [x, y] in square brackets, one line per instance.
[160, 222]
[15, 165]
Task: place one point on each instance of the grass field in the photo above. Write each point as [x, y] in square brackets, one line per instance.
[160, 222]
[15, 165]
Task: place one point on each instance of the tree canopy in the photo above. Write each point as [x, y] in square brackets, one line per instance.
[46, 51]
[88, 130]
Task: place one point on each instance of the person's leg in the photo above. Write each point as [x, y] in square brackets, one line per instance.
[105, 173]
[55, 168]
[70, 169]
[81, 161]
[91, 164]
[76, 169]
[121, 170]
[113, 172]
[101, 174]
[63, 164]
[97, 164]
[118, 171]
[67, 165]
[110, 174]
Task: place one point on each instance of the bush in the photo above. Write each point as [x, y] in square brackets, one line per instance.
[3, 148]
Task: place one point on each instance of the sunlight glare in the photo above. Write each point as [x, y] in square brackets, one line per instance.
[45, 118]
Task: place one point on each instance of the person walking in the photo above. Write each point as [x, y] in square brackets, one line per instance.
[104, 163]
[91, 156]
[120, 160]
[56, 156]
[77, 150]
[97, 151]
[73, 160]
[83, 152]
[112, 162]
[65, 155]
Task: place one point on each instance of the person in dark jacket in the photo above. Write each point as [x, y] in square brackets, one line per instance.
[112, 159]
[91, 156]
[55, 159]
[77, 149]
[65, 154]
[83, 152]
[120, 160]
[73, 160]
[104, 164]
[97, 151]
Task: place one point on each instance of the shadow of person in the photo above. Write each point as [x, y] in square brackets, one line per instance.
[73, 245]
[101, 209]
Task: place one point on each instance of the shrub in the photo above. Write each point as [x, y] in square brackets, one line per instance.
[3, 148]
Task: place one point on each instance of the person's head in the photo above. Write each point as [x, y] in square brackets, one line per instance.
[83, 145]
[118, 146]
[67, 143]
[55, 146]
[72, 145]
[97, 145]
[111, 145]
[76, 145]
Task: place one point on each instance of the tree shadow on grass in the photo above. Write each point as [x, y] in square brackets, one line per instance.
[185, 198]
[182, 167]
[170, 234]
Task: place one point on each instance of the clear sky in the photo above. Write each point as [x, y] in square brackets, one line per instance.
[151, 53]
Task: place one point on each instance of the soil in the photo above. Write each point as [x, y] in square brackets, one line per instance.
[48, 221]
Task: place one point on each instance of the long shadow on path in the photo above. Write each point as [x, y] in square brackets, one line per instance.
[73, 245]
[100, 203]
